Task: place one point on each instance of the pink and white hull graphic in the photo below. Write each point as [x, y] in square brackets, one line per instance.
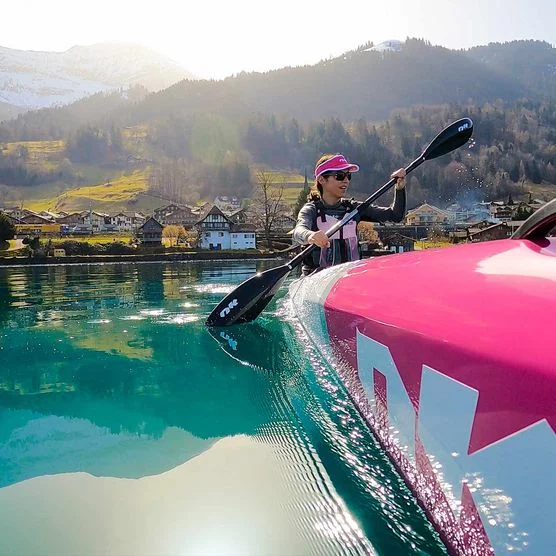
[450, 357]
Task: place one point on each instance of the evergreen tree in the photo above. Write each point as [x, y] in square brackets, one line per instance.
[7, 228]
[302, 197]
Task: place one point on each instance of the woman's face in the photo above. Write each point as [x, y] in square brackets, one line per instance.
[335, 184]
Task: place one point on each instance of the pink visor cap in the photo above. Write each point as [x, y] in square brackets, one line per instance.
[337, 162]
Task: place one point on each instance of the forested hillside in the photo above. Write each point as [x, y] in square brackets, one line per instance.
[531, 63]
[201, 139]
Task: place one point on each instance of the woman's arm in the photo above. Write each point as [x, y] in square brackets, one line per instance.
[303, 232]
[394, 213]
[303, 228]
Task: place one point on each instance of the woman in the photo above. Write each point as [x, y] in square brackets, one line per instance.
[325, 208]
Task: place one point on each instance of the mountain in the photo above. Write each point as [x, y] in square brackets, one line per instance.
[31, 80]
[365, 83]
[368, 83]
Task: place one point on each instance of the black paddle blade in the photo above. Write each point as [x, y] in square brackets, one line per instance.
[449, 139]
[247, 301]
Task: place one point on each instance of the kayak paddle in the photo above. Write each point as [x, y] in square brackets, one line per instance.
[248, 300]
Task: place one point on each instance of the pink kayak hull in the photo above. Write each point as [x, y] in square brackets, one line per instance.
[449, 356]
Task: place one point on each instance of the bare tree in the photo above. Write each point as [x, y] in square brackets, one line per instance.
[176, 180]
[267, 204]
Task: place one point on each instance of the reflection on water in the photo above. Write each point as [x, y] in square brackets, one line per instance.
[337, 437]
[134, 429]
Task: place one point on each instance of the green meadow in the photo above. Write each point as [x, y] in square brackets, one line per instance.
[107, 189]
[115, 194]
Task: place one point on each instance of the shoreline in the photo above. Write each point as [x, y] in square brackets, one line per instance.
[146, 257]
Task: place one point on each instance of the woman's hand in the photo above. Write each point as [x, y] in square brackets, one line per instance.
[319, 238]
[400, 178]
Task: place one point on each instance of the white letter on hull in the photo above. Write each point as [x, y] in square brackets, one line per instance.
[373, 355]
[511, 481]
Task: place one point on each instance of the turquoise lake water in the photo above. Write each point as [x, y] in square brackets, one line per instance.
[129, 428]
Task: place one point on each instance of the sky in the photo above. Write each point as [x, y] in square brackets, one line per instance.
[214, 38]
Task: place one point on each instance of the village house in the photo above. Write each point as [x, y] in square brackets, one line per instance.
[174, 214]
[426, 215]
[97, 221]
[395, 242]
[218, 232]
[18, 212]
[510, 210]
[238, 216]
[242, 236]
[203, 208]
[227, 204]
[463, 234]
[150, 233]
[52, 216]
[26, 216]
[160, 212]
[214, 229]
[127, 221]
[32, 224]
[70, 220]
[496, 231]
[501, 211]
[33, 218]
[459, 214]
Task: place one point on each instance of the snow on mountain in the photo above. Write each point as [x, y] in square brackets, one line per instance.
[387, 46]
[31, 79]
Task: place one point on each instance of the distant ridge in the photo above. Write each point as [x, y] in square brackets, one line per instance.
[34, 79]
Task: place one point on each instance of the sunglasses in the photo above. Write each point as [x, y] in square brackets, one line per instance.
[340, 176]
